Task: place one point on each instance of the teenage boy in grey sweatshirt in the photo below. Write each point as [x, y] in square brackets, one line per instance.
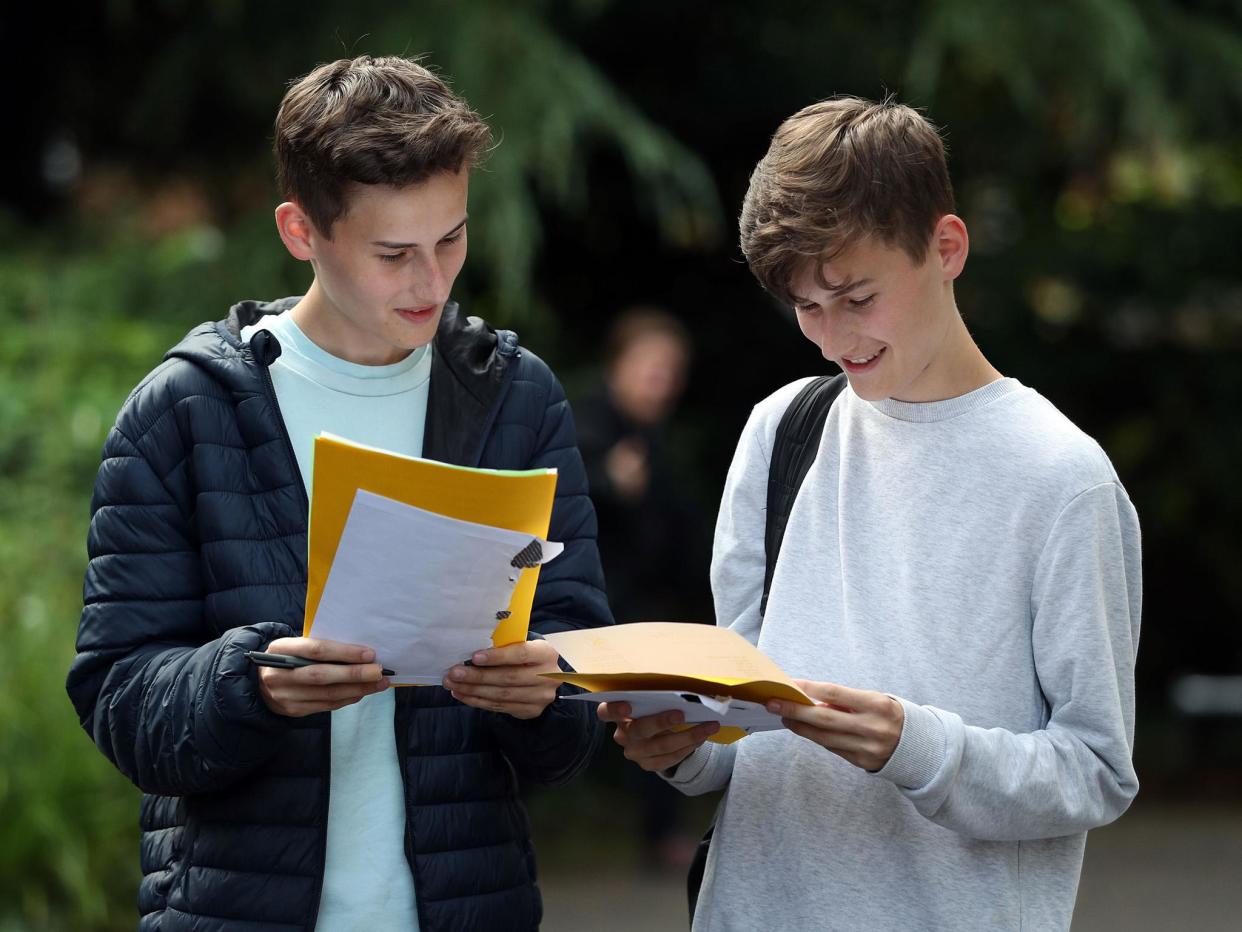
[959, 586]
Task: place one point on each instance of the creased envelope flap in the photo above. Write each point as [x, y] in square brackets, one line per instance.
[672, 655]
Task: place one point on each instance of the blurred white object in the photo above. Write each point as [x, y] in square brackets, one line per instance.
[1199, 694]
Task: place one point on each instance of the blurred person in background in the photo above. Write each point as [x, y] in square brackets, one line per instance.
[650, 532]
[318, 797]
[653, 536]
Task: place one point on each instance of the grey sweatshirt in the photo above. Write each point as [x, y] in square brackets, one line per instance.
[977, 559]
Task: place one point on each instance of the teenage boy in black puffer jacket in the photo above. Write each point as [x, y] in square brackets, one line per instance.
[319, 797]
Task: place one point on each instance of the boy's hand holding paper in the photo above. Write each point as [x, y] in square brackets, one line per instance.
[507, 679]
[655, 742]
[339, 675]
[859, 725]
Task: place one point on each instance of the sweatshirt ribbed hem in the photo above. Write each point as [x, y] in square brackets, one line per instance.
[687, 770]
[920, 751]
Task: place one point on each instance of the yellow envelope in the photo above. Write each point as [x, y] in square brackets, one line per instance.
[673, 656]
[515, 500]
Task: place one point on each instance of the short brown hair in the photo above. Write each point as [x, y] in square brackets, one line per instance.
[369, 121]
[837, 172]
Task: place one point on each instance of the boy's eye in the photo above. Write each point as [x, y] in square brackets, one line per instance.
[391, 256]
[449, 240]
[862, 302]
[806, 308]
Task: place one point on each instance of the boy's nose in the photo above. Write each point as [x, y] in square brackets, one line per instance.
[429, 282]
[833, 335]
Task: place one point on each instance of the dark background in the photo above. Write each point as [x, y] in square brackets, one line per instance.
[1097, 155]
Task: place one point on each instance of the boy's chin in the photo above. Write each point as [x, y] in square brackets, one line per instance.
[865, 392]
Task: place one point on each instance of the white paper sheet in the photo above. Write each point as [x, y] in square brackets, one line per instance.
[419, 588]
[749, 716]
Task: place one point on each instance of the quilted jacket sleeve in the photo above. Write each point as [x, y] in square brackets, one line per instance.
[558, 744]
[175, 711]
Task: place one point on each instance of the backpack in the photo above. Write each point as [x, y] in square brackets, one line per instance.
[793, 451]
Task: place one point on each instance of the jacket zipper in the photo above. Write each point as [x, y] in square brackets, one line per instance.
[325, 794]
[284, 431]
[506, 380]
[407, 794]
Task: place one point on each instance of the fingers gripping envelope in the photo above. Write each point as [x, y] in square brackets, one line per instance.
[710, 674]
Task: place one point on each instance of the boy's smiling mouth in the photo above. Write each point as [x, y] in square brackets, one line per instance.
[861, 363]
[417, 314]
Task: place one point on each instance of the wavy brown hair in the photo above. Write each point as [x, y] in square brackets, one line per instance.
[369, 121]
[837, 172]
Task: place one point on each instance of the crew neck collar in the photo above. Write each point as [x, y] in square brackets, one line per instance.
[929, 411]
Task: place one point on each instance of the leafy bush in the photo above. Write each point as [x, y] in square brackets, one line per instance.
[82, 325]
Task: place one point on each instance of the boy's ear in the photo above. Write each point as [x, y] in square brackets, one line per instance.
[296, 231]
[952, 245]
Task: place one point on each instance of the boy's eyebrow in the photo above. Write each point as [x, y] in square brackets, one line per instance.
[389, 245]
[846, 286]
[834, 289]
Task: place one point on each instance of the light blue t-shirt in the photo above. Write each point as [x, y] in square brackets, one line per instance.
[367, 880]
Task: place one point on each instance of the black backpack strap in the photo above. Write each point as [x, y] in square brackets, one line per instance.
[793, 452]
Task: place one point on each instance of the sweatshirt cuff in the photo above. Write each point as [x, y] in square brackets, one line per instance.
[687, 770]
[920, 751]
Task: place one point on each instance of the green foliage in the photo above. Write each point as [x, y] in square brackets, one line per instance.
[82, 325]
[548, 104]
[1127, 95]
[549, 107]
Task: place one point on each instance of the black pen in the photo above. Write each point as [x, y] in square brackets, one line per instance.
[290, 662]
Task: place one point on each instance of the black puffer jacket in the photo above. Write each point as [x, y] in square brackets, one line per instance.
[198, 553]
